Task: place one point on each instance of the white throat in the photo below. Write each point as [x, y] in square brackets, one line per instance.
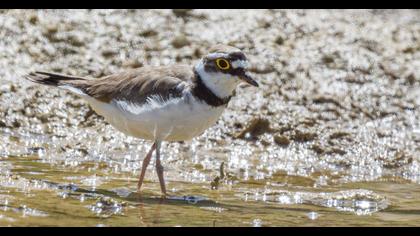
[222, 85]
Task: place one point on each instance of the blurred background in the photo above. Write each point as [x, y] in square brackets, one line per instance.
[331, 137]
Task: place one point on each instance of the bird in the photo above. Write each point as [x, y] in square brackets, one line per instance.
[161, 103]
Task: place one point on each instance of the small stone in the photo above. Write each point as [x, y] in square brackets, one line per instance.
[336, 150]
[33, 19]
[265, 142]
[256, 128]
[181, 12]
[302, 136]
[76, 41]
[109, 52]
[262, 69]
[16, 124]
[279, 40]
[389, 70]
[327, 99]
[281, 140]
[327, 59]
[197, 53]
[148, 33]
[83, 151]
[180, 41]
[50, 32]
[339, 134]
[317, 148]
[383, 133]
[285, 128]
[355, 80]
[198, 166]
[134, 63]
[264, 24]
[43, 118]
[34, 51]
[411, 79]
[68, 50]
[409, 50]
[13, 88]
[400, 159]
[309, 122]
[51, 29]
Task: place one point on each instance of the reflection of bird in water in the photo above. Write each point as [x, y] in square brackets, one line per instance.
[167, 103]
[143, 216]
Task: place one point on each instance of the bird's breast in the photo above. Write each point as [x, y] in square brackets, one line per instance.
[176, 119]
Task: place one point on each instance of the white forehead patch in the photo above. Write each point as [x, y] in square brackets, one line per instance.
[240, 64]
[216, 55]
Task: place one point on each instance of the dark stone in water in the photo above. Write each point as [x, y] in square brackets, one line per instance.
[339, 134]
[281, 140]
[317, 148]
[400, 159]
[256, 128]
[335, 150]
[16, 124]
[303, 136]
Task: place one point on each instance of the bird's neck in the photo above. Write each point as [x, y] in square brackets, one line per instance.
[203, 93]
[222, 85]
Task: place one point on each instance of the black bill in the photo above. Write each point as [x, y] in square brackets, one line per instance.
[247, 78]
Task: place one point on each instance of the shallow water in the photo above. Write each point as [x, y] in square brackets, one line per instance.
[40, 190]
[331, 137]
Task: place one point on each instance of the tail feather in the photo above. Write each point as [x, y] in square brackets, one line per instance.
[55, 79]
[74, 84]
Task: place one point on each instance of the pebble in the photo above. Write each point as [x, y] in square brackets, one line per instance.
[181, 12]
[281, 140]
[180, 41]
[303, 136]
[257, 126]
[279, 40]
[149, 33]
[109, 52]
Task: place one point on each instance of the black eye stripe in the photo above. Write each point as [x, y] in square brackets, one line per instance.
[234, 57]
[210, 66]
[237, 56]
[237, 71]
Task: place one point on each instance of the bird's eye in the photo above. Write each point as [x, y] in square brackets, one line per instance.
[223, 64]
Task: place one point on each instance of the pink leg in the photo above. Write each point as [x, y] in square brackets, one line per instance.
[159, 169]
[144, 166]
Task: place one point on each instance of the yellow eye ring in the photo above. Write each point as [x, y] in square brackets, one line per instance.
[223, 64]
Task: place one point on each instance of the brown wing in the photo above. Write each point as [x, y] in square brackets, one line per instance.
[138, 85]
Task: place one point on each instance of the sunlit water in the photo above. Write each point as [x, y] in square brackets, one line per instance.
[36, 189]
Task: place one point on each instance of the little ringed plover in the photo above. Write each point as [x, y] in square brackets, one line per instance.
[165, 103]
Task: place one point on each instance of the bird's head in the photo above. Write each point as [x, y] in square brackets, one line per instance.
[223, 68]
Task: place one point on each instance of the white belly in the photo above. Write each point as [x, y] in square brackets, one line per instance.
[174, 120]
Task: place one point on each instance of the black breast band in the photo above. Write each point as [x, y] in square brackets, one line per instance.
[202, 92]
